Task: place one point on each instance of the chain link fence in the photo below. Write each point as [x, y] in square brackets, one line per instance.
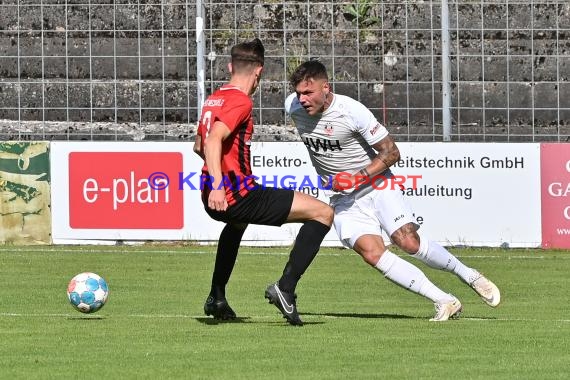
[137, 70]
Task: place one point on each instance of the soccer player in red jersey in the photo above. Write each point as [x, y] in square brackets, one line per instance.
[231, 195]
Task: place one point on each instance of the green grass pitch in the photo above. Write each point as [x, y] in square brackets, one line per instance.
[358, 325]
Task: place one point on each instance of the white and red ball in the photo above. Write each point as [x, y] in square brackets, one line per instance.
[87, 292]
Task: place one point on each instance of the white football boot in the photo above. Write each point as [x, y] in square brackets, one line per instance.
[447, 310]
[488, 291]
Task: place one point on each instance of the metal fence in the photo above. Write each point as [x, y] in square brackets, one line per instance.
[120, 70]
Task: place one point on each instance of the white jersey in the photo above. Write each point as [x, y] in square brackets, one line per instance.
[339, 139]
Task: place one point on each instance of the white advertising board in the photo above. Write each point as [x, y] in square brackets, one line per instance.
[102, 194]
[475, 194]
[466, 194]
[471, 194]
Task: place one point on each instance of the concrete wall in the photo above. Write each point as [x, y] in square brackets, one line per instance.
[129, 72]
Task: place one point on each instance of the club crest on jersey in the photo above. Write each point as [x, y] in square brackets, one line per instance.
[329, 129]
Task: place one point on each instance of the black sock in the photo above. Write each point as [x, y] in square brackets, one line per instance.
[304, 250]
[226, 254]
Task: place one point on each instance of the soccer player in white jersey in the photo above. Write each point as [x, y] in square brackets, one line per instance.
[343, 136]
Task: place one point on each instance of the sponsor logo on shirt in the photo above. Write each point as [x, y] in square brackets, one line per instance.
[375, 129]
[214, 102]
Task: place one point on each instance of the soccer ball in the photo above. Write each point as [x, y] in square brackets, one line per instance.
[87, 292]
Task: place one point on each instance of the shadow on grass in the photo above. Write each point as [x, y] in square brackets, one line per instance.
[363, 315]
[392, 316]
[86, 318]
[212, 321]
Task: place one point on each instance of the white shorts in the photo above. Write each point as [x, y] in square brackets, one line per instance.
[370, 214]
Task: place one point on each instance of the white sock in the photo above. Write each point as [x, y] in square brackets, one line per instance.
[410, 277]
[435, 256]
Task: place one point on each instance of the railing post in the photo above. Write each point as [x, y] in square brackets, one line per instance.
[200, 54]
[445, 72]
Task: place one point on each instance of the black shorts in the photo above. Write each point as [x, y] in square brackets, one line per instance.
[267, 206]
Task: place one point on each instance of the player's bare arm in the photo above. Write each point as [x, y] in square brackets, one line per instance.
[388, 155]
[213, 155]
[198, 147]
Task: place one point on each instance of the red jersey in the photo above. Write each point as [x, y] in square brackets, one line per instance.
[234, 108]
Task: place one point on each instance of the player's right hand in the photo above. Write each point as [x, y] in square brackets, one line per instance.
[217, 200]
[339, 183]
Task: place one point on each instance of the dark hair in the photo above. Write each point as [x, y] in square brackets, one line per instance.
[247, 55]
[308, 70]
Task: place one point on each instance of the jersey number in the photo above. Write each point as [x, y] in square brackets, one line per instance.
[207, 121]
